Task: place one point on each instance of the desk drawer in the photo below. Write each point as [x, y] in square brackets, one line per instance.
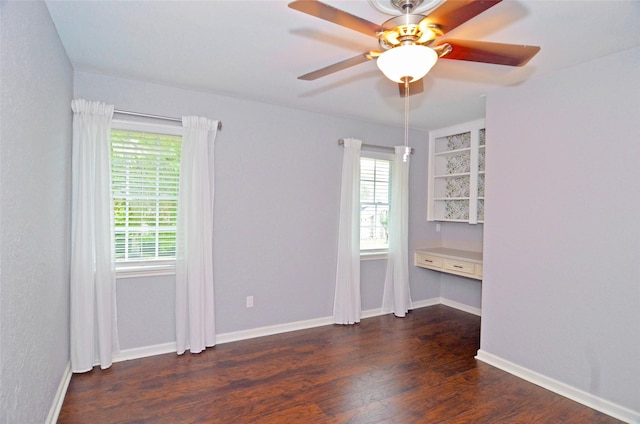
[428, 261]
[459, 266]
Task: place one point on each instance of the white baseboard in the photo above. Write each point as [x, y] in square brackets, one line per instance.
[144, 352]
[272, 329]
[235, 336]
[461, 306]
[161, 349]
[426, 302]
[307, 324]
[58, 399]
[560, 388]
[415, 305]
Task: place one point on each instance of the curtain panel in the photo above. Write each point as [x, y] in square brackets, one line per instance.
[195, 317]
[347, 307]
[396, 297]
[92, 271]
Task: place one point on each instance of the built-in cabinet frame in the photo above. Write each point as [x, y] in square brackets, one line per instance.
[455, 191]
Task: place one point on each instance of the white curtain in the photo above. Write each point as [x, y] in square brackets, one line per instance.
[397, 297]
[93, 304]
[195, 318]
[346, 306]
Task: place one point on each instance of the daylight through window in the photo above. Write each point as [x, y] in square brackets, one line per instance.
[145, 178]
[374, 203]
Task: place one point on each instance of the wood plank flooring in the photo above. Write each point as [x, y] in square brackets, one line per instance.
[418, 369]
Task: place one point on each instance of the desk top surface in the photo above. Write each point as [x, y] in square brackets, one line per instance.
[446, 252]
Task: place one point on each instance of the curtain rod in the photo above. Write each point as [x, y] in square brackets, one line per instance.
[374, 146]
[146, 115]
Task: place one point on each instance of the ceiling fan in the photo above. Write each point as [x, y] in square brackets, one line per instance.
[409, 43]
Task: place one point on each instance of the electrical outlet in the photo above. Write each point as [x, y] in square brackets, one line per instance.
[249, 301]
[437, 228]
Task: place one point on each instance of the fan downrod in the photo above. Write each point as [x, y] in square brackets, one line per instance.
[406, 6]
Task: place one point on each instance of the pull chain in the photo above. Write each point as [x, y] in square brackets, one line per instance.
[407, 150]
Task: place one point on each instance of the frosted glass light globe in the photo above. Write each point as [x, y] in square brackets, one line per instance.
[409, 61]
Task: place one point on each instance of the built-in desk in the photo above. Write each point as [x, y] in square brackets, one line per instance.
[466, 263]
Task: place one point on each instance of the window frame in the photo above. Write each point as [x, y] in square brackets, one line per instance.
[377, 254]
[153, 267]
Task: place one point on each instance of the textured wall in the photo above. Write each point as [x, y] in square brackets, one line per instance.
[562, 235]
[37, 85]
[276, 211]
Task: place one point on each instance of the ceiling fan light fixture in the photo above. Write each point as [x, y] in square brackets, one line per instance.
[410, 61]
[393, 7]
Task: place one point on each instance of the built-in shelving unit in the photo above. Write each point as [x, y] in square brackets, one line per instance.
[456, 173]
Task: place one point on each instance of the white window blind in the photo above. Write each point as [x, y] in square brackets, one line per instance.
[374, 203]
[145, 179]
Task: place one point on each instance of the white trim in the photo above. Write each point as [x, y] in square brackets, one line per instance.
[145, 269]
[304, 325]
[145, 352]
[374, 255]
[426, 302]
[161, 349]
[580, 396]
[164, 348]
[370, 313]
[58, 399]
[272, 329]
[555, 386]
[461, 306]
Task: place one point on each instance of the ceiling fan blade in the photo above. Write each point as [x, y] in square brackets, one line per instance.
[498, 53]
[336, 67]
[337, 16]
[415, 87]
[454, 13]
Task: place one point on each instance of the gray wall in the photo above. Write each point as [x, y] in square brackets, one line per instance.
[465, 291]
[35, 154]
[561, 294]
[276, 211]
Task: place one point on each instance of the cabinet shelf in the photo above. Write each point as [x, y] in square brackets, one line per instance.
[457, 173]
[453, 152]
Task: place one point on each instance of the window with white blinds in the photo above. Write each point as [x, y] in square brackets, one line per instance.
[145, 171]
[375, 179]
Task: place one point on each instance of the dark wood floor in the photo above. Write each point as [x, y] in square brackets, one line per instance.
[419, 369]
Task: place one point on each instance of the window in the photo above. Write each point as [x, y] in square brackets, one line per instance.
[375, 193]
[145, 171]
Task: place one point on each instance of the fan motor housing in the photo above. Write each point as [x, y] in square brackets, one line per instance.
[407, 29]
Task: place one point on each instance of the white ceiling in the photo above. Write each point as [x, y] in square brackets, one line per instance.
[257, 49]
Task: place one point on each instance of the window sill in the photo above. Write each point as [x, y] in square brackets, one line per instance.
[142, 269]
[373, 255]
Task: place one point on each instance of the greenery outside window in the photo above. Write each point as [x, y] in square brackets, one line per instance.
[375, 197]
[145, 173]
